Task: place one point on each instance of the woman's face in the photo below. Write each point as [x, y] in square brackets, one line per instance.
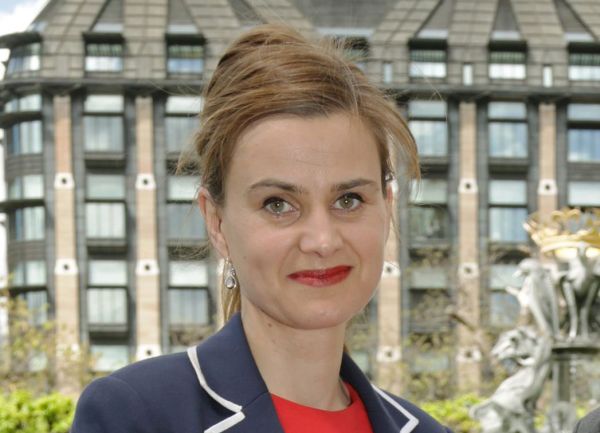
[305, 219]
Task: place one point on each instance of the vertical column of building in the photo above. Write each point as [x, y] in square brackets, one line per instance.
[389, 305]
[147, 278]
[547, 189]
[66, 279]
[468, 304]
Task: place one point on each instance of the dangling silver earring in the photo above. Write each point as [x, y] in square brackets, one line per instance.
[231, 281]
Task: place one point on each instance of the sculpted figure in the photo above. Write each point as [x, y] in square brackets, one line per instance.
[537, 294]
[511, 408]
[580, 285]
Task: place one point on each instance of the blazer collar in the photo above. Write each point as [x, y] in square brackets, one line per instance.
[231, 378]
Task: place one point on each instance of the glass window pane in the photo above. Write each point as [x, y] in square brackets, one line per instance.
[585, 112]
[430, 191]
[105, 186]
[506, 224]
[507, 110]
[104, 104]
[105, 220]
[109, 357]
[107, 306]
[29, 223]
[184, 222]
[30, 103]
[188, 307]
[428, 277]
[504, 309]
[179, 132]
[103, 133]
[35, 272]
[508, 139]
[182, 187]
[508, 192]
[188, 273]
[503, 274]
[184, 105]
[507, 71]
[107, 273]
[30, 186]
[428, 109]
[428, 223]
[428, 310]
[429, 361]
[37, 305]
[431, 137]
[584, 145]
[584, 193]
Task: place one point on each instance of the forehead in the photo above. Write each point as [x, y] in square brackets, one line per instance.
[317, 150]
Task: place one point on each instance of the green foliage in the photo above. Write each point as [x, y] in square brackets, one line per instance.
[21, 412]
[454, 412]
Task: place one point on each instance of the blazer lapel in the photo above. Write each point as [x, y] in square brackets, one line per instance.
[228, 373]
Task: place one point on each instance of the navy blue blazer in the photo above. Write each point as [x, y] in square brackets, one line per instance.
[216, 387]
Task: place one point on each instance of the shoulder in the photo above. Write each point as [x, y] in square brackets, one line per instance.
[589, 423]
[424, 423]
[135, 398]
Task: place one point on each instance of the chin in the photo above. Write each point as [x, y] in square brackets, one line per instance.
[322, 318]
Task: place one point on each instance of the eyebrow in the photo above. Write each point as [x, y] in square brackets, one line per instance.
[289, 187]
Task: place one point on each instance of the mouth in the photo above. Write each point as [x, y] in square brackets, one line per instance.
[321, 277]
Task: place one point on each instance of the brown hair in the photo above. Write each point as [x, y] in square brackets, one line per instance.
[273, 69]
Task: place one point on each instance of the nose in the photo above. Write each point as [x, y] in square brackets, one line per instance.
[321, 235]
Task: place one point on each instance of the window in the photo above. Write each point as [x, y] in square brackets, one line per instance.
[184, 222]
[25, 103]
[468, 74]
[24, 58]
[105, 220]
[107, 293]
[103, 57]
[428, 310]
[109, 357]
[29, 186]
[388, 72]
[507, 130]
[25, 138]
[27, 224]
[508, 210]
[429, 63]
[584, 66]
[188, 293]
[103, 123]
[181, 121]
[427, 122]
[185, 58]
[504, 308]
[37, 305]
[584, 132]
[29, 273]
[182, 187]
[584, 194]
[507, 65]
[547, 76]
[428, 215]
[107, 306]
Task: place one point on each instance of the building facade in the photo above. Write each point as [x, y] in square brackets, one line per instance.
[99, 99]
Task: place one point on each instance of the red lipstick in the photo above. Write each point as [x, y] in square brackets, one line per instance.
[321, 277]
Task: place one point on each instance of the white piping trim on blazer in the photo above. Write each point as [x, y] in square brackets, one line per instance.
[412, 420]
[229, 422]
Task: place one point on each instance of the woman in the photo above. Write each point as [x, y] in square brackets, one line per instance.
[295, 162]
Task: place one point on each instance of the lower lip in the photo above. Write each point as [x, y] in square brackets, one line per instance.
[322, 279]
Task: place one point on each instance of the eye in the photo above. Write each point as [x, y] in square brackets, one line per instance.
[277, 206]
[348, 202]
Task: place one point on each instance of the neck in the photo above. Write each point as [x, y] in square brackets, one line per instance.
[299, 365]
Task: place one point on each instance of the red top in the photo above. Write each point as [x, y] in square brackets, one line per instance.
[296, 418]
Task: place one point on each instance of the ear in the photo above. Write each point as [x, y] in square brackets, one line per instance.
[212, 220]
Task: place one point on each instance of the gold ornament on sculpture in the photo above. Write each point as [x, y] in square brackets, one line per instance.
[566, 231]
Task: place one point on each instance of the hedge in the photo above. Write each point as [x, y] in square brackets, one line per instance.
[21, 412]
